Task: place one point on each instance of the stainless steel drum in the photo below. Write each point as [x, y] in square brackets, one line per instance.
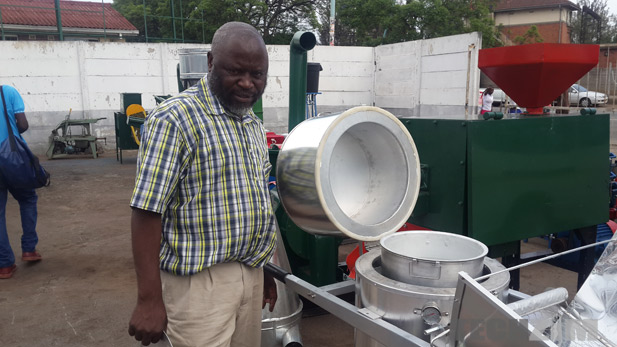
[411, 307]
[355, 172]
[431, 258]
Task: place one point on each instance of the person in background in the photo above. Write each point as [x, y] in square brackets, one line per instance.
[26, 198]
[487, 100]
[202, 221]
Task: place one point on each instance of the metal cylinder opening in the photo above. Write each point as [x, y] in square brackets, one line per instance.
[431, 258]
[356, 173]
[367, 174]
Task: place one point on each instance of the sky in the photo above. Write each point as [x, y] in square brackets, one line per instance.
[612, 6]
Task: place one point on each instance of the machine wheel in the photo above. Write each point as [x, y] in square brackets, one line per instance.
[585, 102]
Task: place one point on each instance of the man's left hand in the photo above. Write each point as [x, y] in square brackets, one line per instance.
[270, 295]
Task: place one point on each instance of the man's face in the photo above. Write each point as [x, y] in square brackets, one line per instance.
[238, 73]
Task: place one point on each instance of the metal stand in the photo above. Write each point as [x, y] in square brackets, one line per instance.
[311, 105]
[362, 319]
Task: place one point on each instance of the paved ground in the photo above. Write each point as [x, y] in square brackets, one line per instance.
[83, 292]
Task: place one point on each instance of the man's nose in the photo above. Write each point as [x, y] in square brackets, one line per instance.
[246, 81]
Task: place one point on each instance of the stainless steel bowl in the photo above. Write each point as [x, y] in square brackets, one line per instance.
[431, 258]
[355, 173]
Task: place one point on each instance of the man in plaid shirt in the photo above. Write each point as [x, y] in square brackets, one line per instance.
[202, 222]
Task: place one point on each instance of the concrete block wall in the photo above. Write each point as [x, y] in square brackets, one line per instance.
[86, 78]
[346, 81]
[89, 78]
[435, 78]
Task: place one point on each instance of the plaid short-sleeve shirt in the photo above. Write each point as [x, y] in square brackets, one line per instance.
[206, 172]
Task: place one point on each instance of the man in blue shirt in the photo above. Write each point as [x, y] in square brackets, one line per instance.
[27, 198]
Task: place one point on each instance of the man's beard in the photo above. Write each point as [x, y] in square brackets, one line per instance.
[216, 87]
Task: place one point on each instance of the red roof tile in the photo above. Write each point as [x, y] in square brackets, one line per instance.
[506, 5]
[75, 14]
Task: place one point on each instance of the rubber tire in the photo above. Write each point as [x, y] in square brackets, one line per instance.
[584, 102]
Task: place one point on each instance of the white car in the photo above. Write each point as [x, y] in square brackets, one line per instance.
[582, 97]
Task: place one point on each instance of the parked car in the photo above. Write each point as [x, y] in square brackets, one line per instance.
[582, 97]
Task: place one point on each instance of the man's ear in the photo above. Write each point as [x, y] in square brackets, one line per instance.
[210, 59]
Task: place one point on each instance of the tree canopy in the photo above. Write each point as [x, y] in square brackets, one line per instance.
[358, 22]
[374, 22]
[197, 20]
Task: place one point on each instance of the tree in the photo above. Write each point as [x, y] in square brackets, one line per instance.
[197, 20]
[594, 23]
[531, 36]
[374, 22]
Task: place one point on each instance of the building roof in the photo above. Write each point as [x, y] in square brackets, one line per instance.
[75, 14]
[511, 5]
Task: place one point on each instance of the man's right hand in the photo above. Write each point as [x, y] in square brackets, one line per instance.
[148, 322]
[149, 317]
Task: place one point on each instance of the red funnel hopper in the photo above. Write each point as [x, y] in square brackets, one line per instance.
[535, 75]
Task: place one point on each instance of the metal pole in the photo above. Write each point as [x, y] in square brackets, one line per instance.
[104, 25]
[559, 39]
[59, 19]
[181, 22]
[332, 21]
[608, 59]
[544, 259]
[1, 24]
[145, 22]
[173, 18]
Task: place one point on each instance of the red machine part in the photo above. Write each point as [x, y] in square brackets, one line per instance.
[612, 225]
[534, 75]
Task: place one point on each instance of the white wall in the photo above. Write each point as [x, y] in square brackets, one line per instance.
[89, 78]
[429, 78]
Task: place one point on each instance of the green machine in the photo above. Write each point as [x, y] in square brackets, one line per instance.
[503, 181]
[496, 179]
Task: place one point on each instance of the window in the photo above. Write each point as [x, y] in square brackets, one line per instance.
[51, 38]
[10, 37]
[31, 37]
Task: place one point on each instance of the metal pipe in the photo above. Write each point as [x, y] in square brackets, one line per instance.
[539, 302]
[104, 24]
[1, 24]
[332, 21]
[543, 259]
[301, 42]
[292, 337]
[173, 18]
[59, 19]
[146, 22]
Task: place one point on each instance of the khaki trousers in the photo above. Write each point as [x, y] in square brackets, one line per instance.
[220, 306]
